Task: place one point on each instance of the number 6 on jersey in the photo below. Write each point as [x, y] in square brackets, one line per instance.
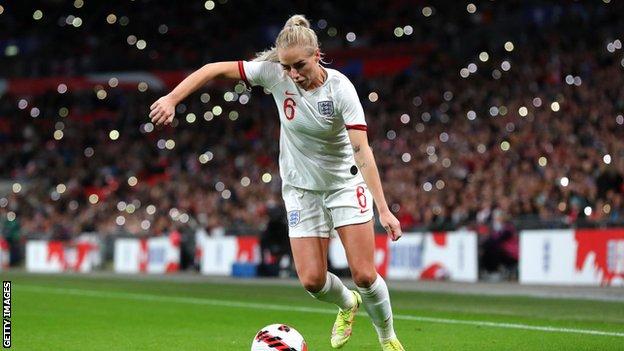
[289, 108]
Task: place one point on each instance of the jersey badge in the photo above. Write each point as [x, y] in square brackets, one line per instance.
[326, 108]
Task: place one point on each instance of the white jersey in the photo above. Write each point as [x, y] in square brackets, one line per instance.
[315, 151]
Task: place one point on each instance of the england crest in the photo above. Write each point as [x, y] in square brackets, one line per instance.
[326, 108]
[294, 217]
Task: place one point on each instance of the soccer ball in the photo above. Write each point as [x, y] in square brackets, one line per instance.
[278, 337]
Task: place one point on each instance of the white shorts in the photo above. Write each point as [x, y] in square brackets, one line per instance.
[314, 213]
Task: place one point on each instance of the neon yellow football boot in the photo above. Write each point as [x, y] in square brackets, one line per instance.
[344, 323]
[392, 345]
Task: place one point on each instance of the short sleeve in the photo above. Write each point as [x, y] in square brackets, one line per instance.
[350, 106]
[263, 73]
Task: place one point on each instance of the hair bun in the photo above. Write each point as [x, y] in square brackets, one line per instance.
[297, 20]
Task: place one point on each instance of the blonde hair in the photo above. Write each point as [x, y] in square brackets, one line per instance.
[296, 32]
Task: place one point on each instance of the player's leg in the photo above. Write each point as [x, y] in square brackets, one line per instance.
[310, 256]
[309, 229]
[359, 243]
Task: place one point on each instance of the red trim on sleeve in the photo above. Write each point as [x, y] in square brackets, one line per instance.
[357, 126]
[241, 71]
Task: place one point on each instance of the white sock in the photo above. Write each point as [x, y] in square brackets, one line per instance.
[334, 291]
[376, 300]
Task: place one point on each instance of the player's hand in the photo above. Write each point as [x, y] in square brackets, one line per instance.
[162, 111]
[391, 225]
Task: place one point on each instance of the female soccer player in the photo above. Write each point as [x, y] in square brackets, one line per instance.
[327, 168]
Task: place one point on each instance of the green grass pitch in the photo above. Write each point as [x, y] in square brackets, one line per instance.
[71, 312]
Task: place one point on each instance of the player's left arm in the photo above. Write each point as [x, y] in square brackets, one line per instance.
[365, 161]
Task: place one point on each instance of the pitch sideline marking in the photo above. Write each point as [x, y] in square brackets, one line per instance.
[222, 303]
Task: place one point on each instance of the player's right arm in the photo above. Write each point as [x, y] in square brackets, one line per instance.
[163, 110]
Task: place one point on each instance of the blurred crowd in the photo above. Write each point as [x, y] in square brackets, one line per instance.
[513, 117]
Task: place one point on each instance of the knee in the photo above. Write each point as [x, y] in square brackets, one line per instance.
[364, 279]
[313, 282]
